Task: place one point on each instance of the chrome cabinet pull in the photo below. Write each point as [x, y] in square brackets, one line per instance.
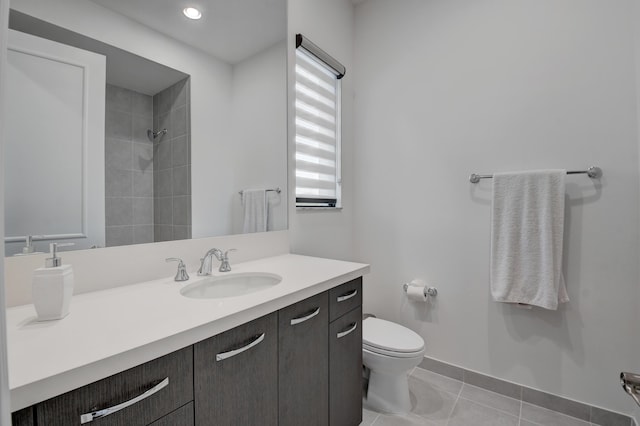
[89, 417]
[347, 296]
[298, 320]
[351, 328]
[224, 355]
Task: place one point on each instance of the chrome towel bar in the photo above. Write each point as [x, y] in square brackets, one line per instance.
[593, 172]
[276, 190]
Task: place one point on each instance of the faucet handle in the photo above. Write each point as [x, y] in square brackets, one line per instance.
[226, 253]
[181, 274]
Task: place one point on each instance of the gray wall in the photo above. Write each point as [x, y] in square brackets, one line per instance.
[172, 163]
[128, 167]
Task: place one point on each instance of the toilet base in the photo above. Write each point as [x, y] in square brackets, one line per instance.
[388, 393]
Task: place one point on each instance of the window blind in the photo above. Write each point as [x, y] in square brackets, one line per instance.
[317, 135]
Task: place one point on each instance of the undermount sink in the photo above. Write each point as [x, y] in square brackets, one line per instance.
[231, 285]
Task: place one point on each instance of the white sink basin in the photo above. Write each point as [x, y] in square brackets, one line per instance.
[230, 285]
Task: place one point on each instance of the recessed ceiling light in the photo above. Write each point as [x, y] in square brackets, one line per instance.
[192, 13]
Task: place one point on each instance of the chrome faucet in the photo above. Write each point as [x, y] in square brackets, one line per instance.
[181, 274]
[223, 257]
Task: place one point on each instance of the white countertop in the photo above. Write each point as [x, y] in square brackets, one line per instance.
[112, 330]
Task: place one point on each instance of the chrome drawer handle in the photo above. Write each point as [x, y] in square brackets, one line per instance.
[344, 333]
[89, 417]
[298, 320]
[224, 355]
[347, 296]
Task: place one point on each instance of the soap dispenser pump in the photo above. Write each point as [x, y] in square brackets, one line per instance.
[53, 286]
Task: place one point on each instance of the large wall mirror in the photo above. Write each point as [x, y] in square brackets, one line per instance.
[131, 123]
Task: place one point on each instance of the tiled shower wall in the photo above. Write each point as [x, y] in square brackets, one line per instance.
[172, 163]
[128, 167]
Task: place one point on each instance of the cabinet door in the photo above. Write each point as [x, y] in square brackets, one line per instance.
[237, 375]
[304, 362]
[345, 298]
[149, 391]
[345, 370]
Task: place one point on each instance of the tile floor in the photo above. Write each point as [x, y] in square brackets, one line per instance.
[441, 401]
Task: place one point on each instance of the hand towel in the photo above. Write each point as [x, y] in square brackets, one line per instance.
[255, 210]
[527, 237]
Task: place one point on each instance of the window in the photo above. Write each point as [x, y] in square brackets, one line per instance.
[317, 135]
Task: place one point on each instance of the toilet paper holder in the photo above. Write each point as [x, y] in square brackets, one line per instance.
[428, 291]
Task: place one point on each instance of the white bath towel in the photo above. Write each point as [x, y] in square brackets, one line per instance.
[527, 237]
[256, 212]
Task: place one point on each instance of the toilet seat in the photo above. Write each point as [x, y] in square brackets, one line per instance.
[390, 339]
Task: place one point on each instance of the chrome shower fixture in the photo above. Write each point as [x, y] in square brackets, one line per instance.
[154, 135]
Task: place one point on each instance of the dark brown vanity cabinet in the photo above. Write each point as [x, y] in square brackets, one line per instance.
[23, 417]
[301, 365]
[148, 392]
[303, 370]
[236, 380]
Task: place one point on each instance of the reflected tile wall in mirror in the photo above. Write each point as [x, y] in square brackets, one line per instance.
[128, 167]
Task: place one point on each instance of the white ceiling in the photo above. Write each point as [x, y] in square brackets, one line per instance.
[231, 30]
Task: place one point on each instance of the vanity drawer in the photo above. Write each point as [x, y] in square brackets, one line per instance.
[183, 416]
[135, 385]
[345, 298]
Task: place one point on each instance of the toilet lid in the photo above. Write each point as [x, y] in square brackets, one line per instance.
[389, 336]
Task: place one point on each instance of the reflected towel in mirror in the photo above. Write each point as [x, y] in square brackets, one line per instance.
[256, 210]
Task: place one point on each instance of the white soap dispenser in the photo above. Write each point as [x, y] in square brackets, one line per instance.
[53, 287]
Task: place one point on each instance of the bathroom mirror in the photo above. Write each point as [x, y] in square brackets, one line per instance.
[218, 87]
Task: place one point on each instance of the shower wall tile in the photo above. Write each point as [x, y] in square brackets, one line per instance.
[162, 160]
[141, 124]
[143, 211]
[119, 211]
[181, 180]
[142, 234]
[171, 163]
[143, 157]
[119, 98]
[180, 90]
[143, 184]
[118, 125]
[163, 233]
[119, 235]
[179, 121]
[181, 211]
[164, 101]
[181, 232]
[163, 211]
[164, 122]
[128, 167]
[118, 154]
[162, 184]
[142, 104]
[118, 183]
[180, 151]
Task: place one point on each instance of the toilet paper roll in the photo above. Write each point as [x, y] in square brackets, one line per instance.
[416, 293]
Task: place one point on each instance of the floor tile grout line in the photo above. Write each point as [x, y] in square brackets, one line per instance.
[453, 407]
[488, 406]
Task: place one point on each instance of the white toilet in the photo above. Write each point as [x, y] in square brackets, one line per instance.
[390, 351]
